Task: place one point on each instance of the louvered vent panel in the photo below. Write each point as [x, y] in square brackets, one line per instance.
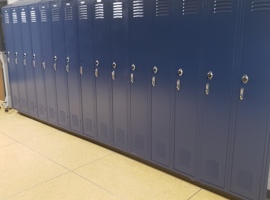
[41, 109]
[121, 136]
[63, 116]
[160, 150]
[55, 14]
[190, 7]
[162, 8]
[68, 13]
[103, 130]
[245, 180]
[184, 158]
[138, 8]
[33, 16]
[260, 5]
[212, 169]
[223, 6]
[139, 142]
[23, 16]
[43, 15]
[51, 112]
[117, 10]
[6, 18]
[23, 103]
[14, 18]
[75, 120]
[88, 125]
[99, 11]
[83, 11]
[32, 106]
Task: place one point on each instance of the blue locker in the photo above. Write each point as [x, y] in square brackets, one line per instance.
[85, 32]
[17, 38]
[120, 70]
[163, 46]
[37, 61]
[47, 61]
[12, 68]
[251, 131]
[186, 75]
[140, 67]
[27, 60]
[72, 64]
[59, 63]
[102, 53]
[216, 90]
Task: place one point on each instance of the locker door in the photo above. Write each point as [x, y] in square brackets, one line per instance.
[59, 63]
[37, 62]
[140, 66]
[251, 133]
[47, 62]
[217, 74]
[17, 38]
[72, 64]
[120, 68]
[163, 43]
[85, 31]
[102, 54]
[186, 76]
[27, 60]
[12, 68]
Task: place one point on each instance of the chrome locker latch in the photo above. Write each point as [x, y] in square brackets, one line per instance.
[16, 58]
[54, 64]
[8, 59]
[241, 97]
[34, 61]
[67, 66]
[178, 84]
[113, 75]
[132, 78]
[207, 87]
[153, 81]
[24, 59]
[44, 65]
[96, 72]
[81, 70]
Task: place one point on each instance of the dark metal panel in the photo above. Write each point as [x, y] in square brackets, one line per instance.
[85, 32]
[250, 142]
[140, 67]
[102, 47]
[27, 60]
[120, 68]
[47, 61]
[59, 63]
[72, 64]
[37, 61]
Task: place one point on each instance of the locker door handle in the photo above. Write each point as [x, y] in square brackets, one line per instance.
[153, 81]
[67, 68]
[44, 65]
[34, 63]
[8, 59]
[81, 70]
[16, 61]
[241, 97]
[113, 75]
[207, 88]
[178, 84]
[24, 62]
[96, 72]
[132, 78]
[54, 66]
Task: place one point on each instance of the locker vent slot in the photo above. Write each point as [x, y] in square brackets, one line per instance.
[55, 14]
[138, 8]
[33, 16]
[32, 106]
[15, 101]
[117, 10]
[88, 125]
[14, 17]
[99, 11]
[6, 18]
[223, 6]
[41, 109]
[139, 142]
[184, 158]
[260, 5]
[68, 13]
[43, 15]
[190, 7]
[160, 150]
[63, 116]
[245, 180]
[23, 103]
[23, 16]
[75, 120]
[121, 136]
[212, 168]
[103, 130]
[51, 113]
[83, 12]
[162, 8]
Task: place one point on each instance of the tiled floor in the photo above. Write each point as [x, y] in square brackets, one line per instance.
[39, 162]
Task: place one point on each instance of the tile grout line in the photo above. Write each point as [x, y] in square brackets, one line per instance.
[195, 194]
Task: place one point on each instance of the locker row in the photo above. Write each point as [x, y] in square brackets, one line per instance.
[180, 83]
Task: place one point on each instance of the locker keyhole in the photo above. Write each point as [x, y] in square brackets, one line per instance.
[97, 63]
[133, 67]
[114, 65]
[180, 72]
[55, 58]
[245, 79]
[155, 69]
[210, 75]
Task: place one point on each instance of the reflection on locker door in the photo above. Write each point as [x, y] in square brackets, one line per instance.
[217, 90]
[12, 68]
[251, 133]
[59, 63]
[186, 76]
[72, 64]
[17, 38]
[163, 43]
[102, 54]
[47, 62]
[140, 68]
[120, 63]
[27, 60]
[85, 31]
[36, 60]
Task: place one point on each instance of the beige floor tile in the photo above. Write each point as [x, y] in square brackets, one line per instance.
[67, 150]
[5, 140]
[206, 195]
[130, 179]
[69, 187]
[22, 168]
